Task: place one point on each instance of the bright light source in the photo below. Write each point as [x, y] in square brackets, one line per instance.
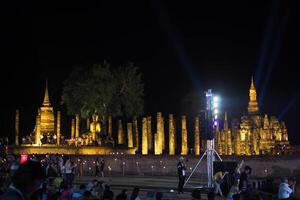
[216, 105]
[216, 111]
[216, 116]
[216, 123]
[216, 98]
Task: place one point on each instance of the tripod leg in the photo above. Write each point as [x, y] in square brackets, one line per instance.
[194, 168]
[218, 155]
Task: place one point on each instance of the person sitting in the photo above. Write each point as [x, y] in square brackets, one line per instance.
[285, 190]
[25, 181]
[158, 195]
[77, 195]
[122, 195]
[87, 195]
[108, 194]
[211, 195]
[149, 195]
[234, 190]
[135, 194]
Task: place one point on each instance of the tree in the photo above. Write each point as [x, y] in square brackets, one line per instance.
[101, 89]
[131, 90]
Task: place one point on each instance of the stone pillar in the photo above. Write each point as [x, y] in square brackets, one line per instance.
[73, 129]
[120, 132]
[159, 133]
[184, 146]
[58, 128]
[136, 133]
[229, 143]
[38, 130]
[149, 132]
[197, 136]
[156, 145]
[17, 127]
[238, 143]
[77, 126]
[144, 137]
[129, 135]
[88, 123]
[163, 134]
[171, 135]
[219, 142]
[110, 127]
[223, 142]
[247, 143]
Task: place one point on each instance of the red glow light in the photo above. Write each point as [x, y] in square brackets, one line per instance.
[24, 158]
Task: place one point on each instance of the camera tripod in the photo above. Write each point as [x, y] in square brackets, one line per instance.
[210, 158]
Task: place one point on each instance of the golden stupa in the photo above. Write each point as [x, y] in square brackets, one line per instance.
[45, 119]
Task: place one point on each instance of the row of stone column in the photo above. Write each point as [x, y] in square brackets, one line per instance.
[155, 142]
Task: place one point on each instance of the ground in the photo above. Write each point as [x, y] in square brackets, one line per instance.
[162, 184]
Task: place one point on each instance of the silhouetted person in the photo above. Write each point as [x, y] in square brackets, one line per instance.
[102, 163]
[108, 194]
[135, 194]
[245, 185]
[211, 195]
[159, 196]
[26, 181]
[285, 190]
[181, 171]
[97, 167]
[122, 195]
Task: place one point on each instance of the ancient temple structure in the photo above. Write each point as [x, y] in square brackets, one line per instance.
[252, 134]
[45, 119]
[255, 134]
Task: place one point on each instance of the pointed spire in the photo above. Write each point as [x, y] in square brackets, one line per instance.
[252, 105]
[252, 84]
[225, 122]
[46, 97]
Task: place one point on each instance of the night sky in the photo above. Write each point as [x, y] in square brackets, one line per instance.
[182, 49]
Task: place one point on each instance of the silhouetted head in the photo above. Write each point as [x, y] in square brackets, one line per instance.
[29, 177]
[159, 195]
[181, 159]
[248, 169]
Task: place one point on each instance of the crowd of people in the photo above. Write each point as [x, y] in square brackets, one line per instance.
[51, 178]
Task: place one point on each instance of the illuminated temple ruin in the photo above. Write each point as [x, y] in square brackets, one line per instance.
[253, 134]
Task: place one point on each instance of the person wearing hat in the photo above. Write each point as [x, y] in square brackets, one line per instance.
[181, 170]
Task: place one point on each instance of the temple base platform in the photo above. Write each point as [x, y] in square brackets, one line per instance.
[70, 150]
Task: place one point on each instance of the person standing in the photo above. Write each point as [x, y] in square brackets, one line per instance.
[245, 185]
[97, 165]
[218, 180]
[181, 170]
[68, 172]
[102, 164]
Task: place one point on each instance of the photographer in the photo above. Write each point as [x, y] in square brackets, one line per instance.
[285, 190]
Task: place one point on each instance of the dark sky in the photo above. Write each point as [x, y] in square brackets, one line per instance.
[182, 49]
